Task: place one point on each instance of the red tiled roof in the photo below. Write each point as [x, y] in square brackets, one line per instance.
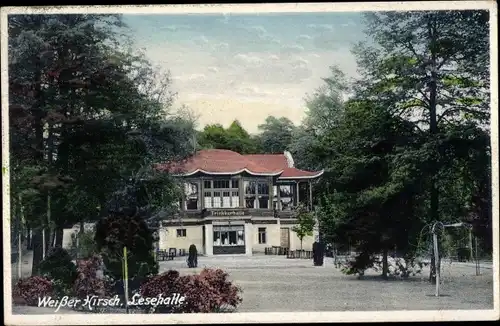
[222, 161]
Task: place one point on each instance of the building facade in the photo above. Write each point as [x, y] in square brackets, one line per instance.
[238, 204]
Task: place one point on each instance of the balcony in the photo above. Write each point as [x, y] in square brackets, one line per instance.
[239, 212]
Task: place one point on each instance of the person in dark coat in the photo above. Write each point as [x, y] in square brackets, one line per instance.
[192, 257]
[318, 253]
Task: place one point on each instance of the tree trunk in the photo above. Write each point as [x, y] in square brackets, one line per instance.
[37, 245]
[385, 264]
[433, 128]
[59, 233]
[432, 273]
[28, 238]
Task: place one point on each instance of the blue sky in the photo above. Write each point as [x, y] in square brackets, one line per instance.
[247, 66]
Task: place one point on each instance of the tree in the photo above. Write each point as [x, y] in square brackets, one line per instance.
[234, 138]
[275, 134]
[310, 145]
[431, 68]
[87, 114]
[305, 224]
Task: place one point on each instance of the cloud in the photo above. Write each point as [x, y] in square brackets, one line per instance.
[270, 69]
[175, 28]
[190, 77]
[304, 37]
[200, 40]
[261, 33]
[248, 59]
[213, 69]
[326, 41]
[292, 48]
[326, 27]
[222, 46]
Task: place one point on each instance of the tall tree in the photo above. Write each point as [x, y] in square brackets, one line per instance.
[275, 134]
[93, 114]
[234, 138]
[432, 69]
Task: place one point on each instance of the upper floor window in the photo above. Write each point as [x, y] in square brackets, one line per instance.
[286, 196]
[221, 194]
[257, 194]
[191, 193]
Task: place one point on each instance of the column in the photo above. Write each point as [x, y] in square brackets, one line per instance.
[297, 189]
[310, 196]
[271, 192]
[278, 197]
[209, 240]
[200, 194]
[242, 192]
[248, 239]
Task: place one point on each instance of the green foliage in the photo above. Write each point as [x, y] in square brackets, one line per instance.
[402, 151]
[86, 114]
[234, 138]
[126, 229]
[86, 245]
[305, 224]
[275, 135]
[60, 269]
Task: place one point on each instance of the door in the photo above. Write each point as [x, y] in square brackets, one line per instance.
[285, 238]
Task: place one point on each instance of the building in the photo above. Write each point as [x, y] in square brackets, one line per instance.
[238, 204]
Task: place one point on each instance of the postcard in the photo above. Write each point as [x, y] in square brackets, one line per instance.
[249, 163]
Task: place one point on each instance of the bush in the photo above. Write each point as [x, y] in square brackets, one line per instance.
[86, 247]
[59, 267]
[88, 282]
[119, 230]
[32, 288]
[209, 291]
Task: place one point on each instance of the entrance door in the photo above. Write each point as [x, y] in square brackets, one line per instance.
[285, 238]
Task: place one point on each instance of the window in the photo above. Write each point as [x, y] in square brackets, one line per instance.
[191, 193]
[262, 235]
[208, 199]
[229, 236]
[217, 200]
[181, 233]
[221, 194]
[263, 192]
[256, 194]
[286, 196]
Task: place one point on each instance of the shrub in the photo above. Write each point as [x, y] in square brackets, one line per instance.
[119, 230]
[59, 267]
[86, 247]
[209, 291]
[88, 282]
[32, 288]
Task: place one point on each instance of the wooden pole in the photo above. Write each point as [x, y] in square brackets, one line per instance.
[470, 245]
[478, 271]
[436, 259]
[43, 243]
[125, 277]
[19, 241]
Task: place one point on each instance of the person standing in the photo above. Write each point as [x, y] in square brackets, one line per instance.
[318, 253]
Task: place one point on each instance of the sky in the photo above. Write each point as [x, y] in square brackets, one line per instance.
[247, 66]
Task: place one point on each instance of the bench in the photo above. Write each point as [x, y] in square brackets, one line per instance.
[162, 255]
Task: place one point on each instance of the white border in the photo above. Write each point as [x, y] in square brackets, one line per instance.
[359, 316]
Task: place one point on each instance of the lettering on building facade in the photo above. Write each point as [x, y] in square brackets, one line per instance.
[228, 213]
